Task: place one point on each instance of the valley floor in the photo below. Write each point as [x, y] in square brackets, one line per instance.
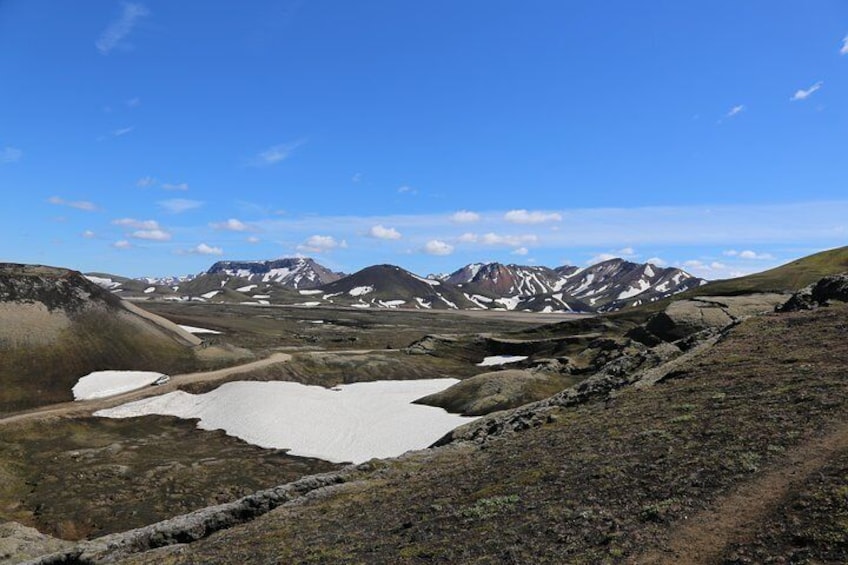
[739, 456]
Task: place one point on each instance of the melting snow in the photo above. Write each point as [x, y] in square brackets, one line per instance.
[509, 302]
[309, 292]
[309, 304]
[423, 303]
[360, 290]
[194, 330]
[101, 384]
[108, 284]
[500, 360]
[149, 289]
[211, 294]
[431, 282]
[353, 422]
[391, 303]
[247, 288]
[640, 287]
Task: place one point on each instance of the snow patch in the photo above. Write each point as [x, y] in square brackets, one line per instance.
[212, 294]
[247, 288]
[500, 360]
[149, 289]
[194, 330]
[310, 292]
[360, 290]
[101, 384]
[355, 422]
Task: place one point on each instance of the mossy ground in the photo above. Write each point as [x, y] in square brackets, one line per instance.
[602, 482]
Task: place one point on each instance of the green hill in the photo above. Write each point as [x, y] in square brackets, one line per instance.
[789, 277]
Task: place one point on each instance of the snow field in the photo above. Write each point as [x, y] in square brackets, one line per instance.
[353, 422]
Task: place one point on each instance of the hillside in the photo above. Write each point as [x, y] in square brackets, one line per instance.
[733, 451]
[389, 286]
[789, 277]
[58, 326]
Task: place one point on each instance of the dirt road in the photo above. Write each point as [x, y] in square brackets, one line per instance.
[87, 407]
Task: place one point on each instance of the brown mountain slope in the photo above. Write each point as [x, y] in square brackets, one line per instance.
[610, 480]
[56, 326]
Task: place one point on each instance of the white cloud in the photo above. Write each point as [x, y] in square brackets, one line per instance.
[657, 261]
[804, 94]
[151, 235]
[122, 131]
[321, 244]
[253, 239]
[122, 244]
[137, 224]
[357, 177]
[145, 182]
[381, 232]
[405, 189]
[438, 247]
[623, 253]
[736, 110]
[508, 240]
[179, 205]
[468, 238]
[78, 204]
[275, 154]
[600, 258]
[698, 264]
[747, 254]
[134, 102]
[119, 29]
[88, 234]
[465, 217]
[526, 217]
[844, 50]
[204, 249]
[230, 225]
[10, 154]
[171, 186]
[521, 251]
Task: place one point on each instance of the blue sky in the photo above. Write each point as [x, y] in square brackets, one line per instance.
[155, 137]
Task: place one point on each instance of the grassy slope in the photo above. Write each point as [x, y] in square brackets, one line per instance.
[76, 478]
[601, 482]
[37, 375]
[789, 277]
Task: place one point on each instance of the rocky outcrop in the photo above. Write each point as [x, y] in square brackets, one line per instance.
[19, 543]
[654, 364]
[834, 287]
[196, 525]
[687, 317]
[493, 391]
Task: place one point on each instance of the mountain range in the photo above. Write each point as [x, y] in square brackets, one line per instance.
[606, 286]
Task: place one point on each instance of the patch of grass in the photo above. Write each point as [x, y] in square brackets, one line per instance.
[487, 507]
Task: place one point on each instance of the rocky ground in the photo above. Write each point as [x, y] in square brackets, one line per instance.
[720, 446]
[759, 416]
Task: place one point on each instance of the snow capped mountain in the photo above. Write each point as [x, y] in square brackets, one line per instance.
[616, 283]
[389, 286]
[296, 272]
[505, 280]
[606, 286]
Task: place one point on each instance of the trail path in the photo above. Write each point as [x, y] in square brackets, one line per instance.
[738, 516]
[87, 407]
